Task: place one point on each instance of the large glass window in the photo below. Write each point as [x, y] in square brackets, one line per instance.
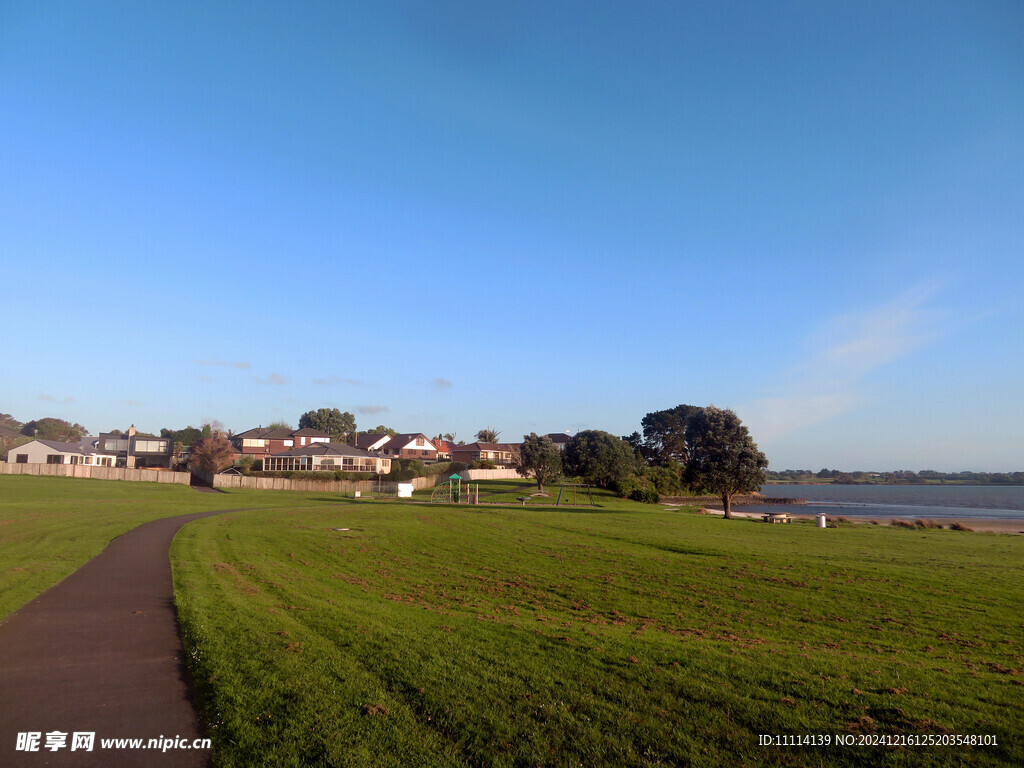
[55, 458]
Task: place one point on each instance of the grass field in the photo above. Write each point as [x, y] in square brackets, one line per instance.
[49, 526]
[621, 636]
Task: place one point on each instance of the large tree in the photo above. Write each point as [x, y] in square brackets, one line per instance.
[540, 459]
[212, 454]
[9, 422]
[599, 457]
[664, 440]
[330, 420]
[54, 429]
[722, 457]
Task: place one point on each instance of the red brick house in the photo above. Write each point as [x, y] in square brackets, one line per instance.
[262, 441]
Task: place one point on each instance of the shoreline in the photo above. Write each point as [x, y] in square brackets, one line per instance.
[976, 524]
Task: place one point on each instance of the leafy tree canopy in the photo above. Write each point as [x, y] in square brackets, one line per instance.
[9, 422]
[723, 458]
[279, 425]
[183, 437]
[54, 429]
[330, 420]
[599, 457]
[540, 459]
[664, 438]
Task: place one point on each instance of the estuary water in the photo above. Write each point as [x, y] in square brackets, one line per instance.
[1005, 502]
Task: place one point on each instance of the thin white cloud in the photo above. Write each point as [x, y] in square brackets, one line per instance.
[369, 410]
[51, 399]
[440, 383]
[849, 347]
[336, 380]
[276, 379]
[242, 366]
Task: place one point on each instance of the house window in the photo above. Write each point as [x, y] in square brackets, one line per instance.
[21, 458]
[55, 458]
[115, 445]
[75, 459]
[420, 441]
[151, 446]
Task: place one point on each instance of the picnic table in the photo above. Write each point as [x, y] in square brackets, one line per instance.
[776, 517]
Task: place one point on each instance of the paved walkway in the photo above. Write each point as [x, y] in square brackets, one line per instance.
[100, 653]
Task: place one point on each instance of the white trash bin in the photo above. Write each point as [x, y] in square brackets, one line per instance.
[822, 520]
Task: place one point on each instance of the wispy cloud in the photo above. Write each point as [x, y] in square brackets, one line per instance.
[276, 379]
[440, 383]
[242, 366]
[206, 378]
[133, 402]
[369, 410]
[848, 348]
[336, 380]
[51, 399]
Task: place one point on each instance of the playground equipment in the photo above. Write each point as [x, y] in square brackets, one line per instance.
[574, 486]
[452, 492]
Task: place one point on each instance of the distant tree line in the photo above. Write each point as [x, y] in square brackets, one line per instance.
[899, 477]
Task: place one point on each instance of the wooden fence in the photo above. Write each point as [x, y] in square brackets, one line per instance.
[96, 473]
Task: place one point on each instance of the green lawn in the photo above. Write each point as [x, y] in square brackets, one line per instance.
[622, 636]
[49, 526]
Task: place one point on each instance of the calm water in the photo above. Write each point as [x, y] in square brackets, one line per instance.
[911, 501]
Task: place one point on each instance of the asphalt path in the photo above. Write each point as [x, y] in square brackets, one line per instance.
[100, 653]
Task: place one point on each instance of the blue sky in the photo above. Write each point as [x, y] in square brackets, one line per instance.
[537, 217]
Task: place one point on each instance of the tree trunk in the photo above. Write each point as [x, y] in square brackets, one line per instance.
[726, 502]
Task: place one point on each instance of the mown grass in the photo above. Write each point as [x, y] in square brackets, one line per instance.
[49, 526]
[620, 636]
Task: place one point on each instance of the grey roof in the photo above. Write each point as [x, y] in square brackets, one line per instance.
[85, 445]
[559, 437]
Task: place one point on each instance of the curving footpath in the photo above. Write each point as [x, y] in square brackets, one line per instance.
[100, 653]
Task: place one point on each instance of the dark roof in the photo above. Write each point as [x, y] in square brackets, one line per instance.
[327, 449]
[265, 433]
[558, 437]
[310, 432]
[365, 441]
[478, 446]
[407, 437]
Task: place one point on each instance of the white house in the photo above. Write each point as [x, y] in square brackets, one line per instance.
[86, 451]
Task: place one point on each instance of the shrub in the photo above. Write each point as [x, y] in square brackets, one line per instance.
[457, 467]
[483, 464]
[665, 480]
[900, 523]
[927, 524]
[958, 526]
[646, 495]
[625, 486]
